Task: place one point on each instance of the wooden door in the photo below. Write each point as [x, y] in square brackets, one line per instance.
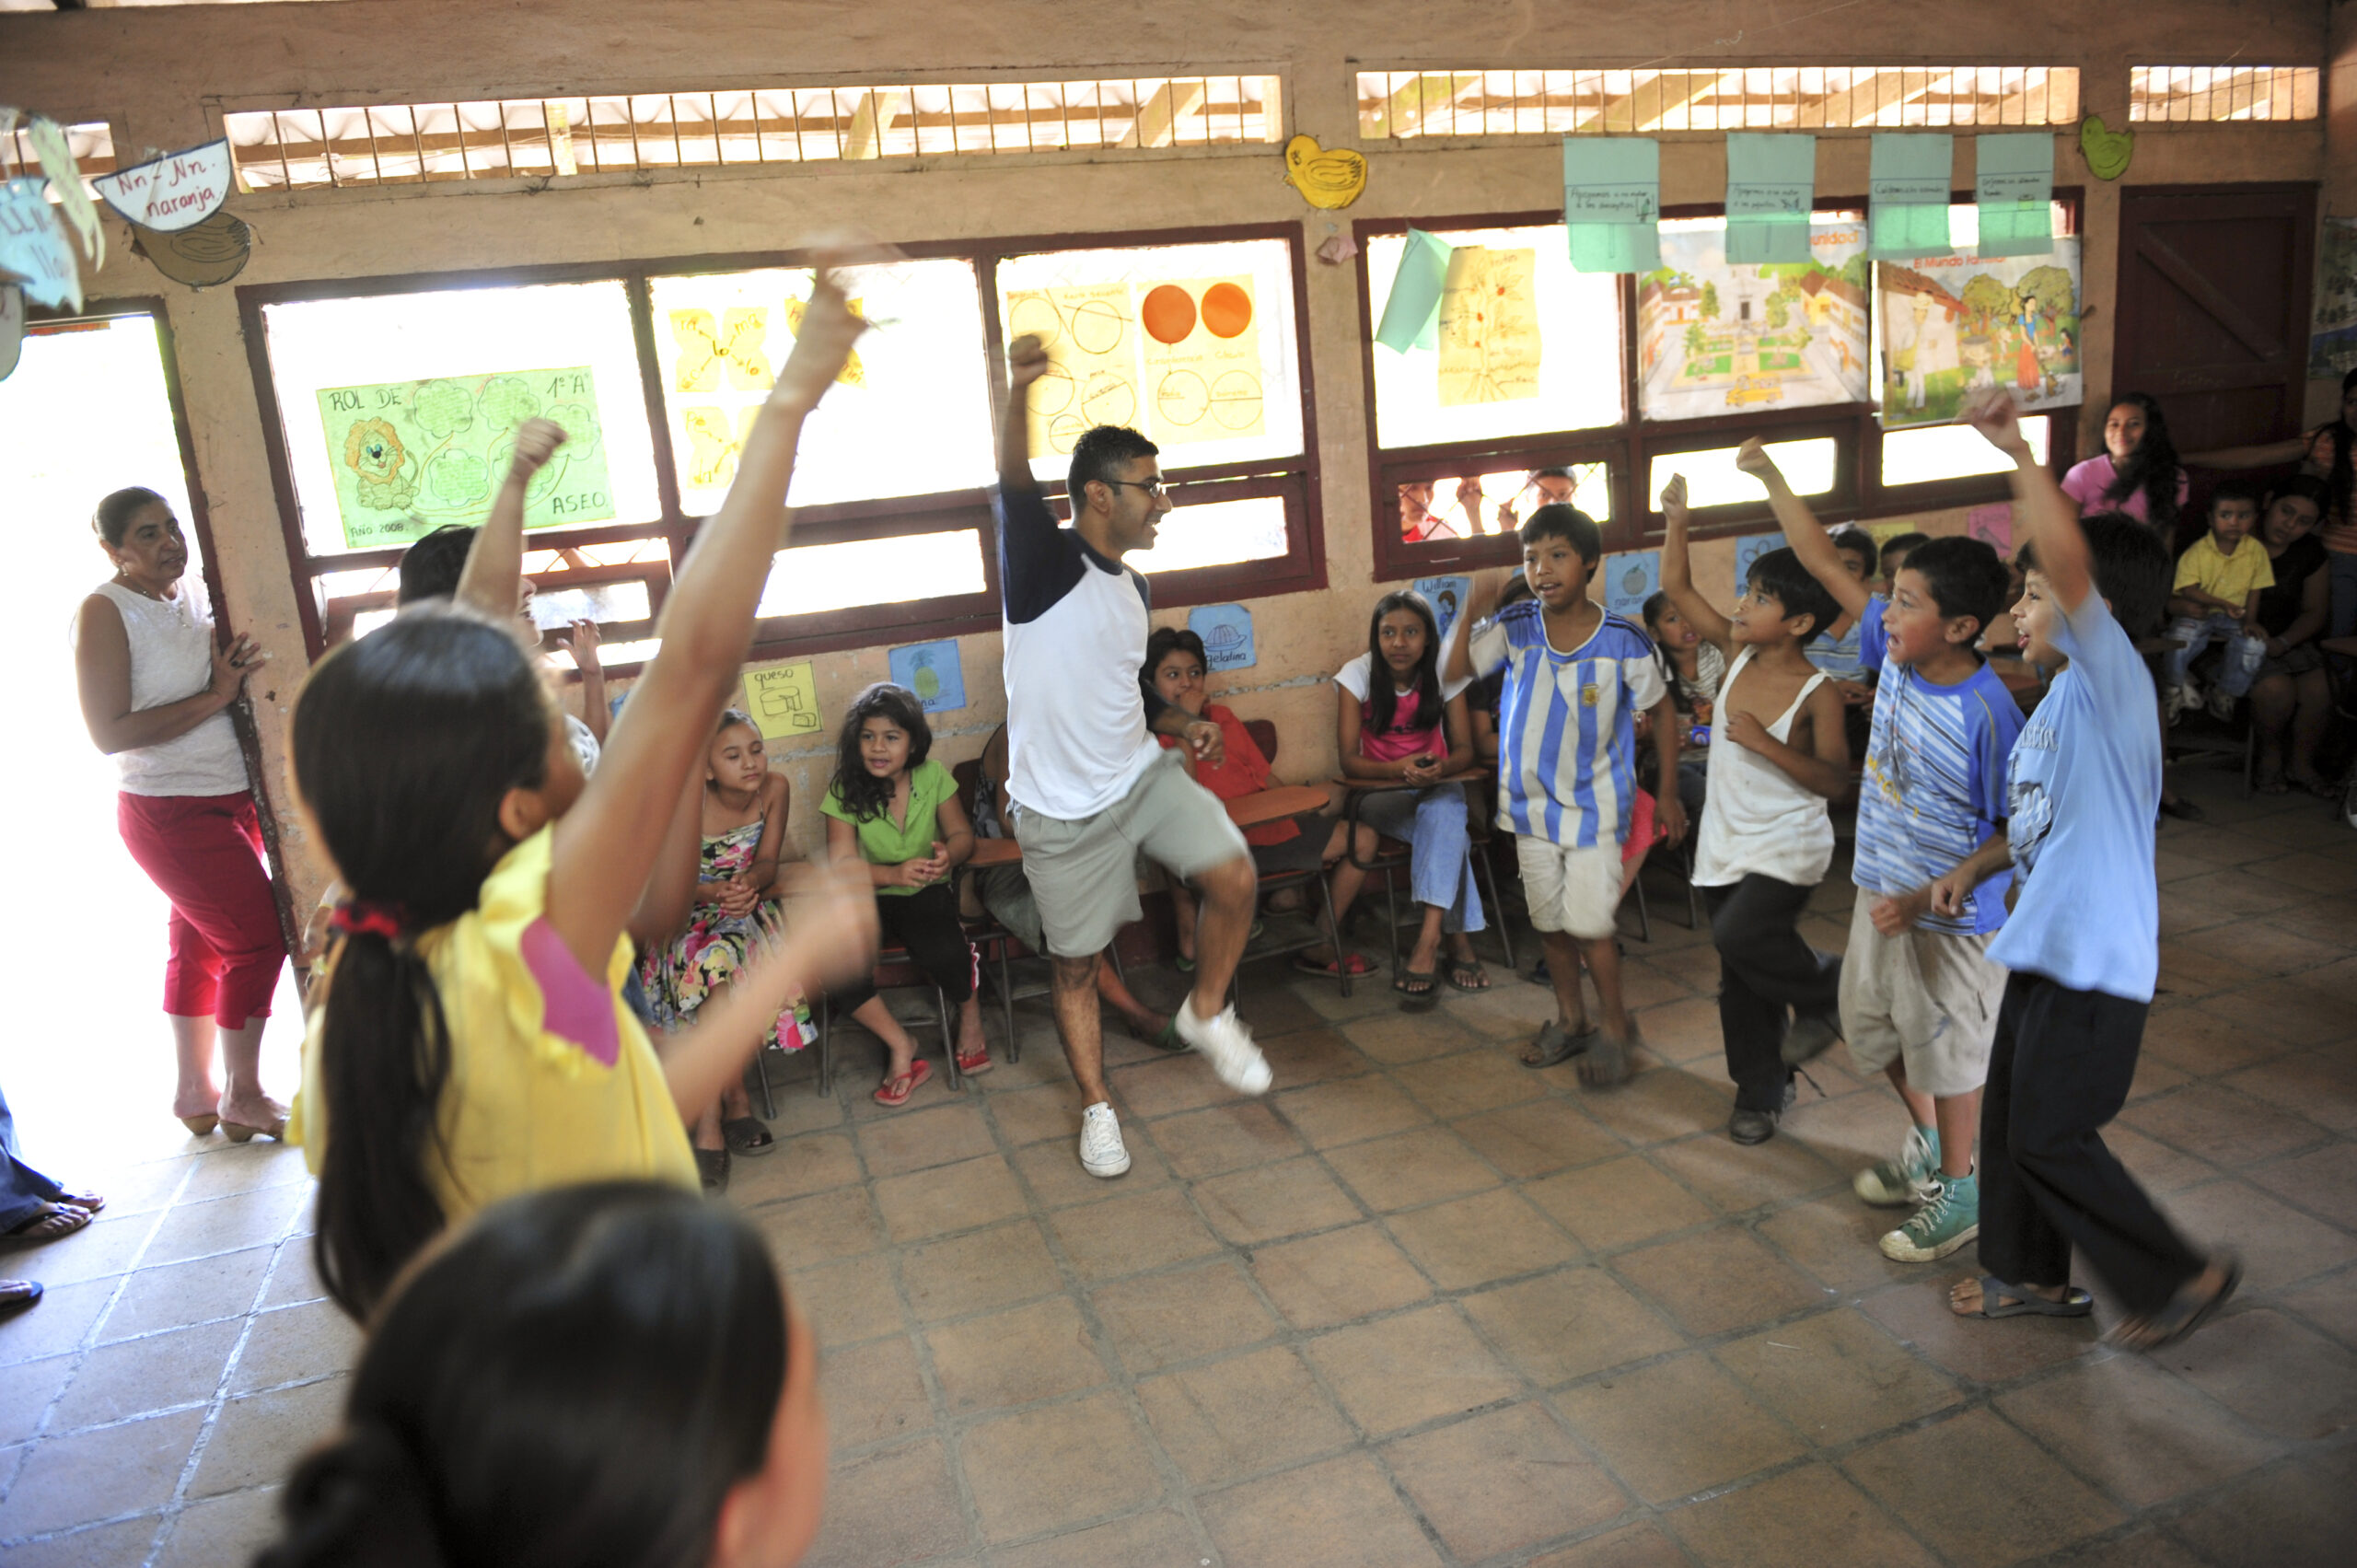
[2213, 307]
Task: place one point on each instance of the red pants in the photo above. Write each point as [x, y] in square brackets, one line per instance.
[203, 852]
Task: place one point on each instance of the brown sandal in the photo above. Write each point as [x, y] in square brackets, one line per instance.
[54, 1222]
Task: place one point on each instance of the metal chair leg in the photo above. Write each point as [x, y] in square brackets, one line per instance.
[949, 1036]
[761, 1066]
[826, 1046]
[1484, 871]
[1334, 935]
[1006, 998]
[1645, 916]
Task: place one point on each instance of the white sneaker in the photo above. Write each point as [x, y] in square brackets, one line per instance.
[1102, 1152]
[1228, 1045]
[2221, 704]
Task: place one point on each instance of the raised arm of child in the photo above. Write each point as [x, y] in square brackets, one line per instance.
[582, 644]
[1824, 767]
[2050, 517]
[1803, 531]
[494, 565]
[606, 844]
[1481, 603]
[1677, 569]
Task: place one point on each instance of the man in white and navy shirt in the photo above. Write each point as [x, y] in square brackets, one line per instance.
[1091, 785]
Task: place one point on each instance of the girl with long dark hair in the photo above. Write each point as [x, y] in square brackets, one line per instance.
[2139, 474]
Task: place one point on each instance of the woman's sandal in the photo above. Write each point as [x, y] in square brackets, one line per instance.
[88, 1202]
[1416, 989]
[894, 1091]
[202, 1125]
[980, 1062]
[2180, 1317]
[1466, 974]
[2019, 1301]
[54, 1221]
[242, 1132]
[747, 1136]
[17, 1295]
[1556, 1045]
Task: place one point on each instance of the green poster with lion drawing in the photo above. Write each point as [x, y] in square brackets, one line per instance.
[409, 457]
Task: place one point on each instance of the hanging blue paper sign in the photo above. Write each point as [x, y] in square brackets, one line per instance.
[1447, 595]
[933, 672]
[1772, 185]
[1907, 191]
[1226, 631]
[1612, 203]
[1747, 550]
[2014, 183]
[1411, 313]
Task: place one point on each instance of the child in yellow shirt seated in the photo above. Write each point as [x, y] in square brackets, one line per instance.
[2215, 597]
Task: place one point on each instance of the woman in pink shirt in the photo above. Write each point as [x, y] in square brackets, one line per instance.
[2139, 474]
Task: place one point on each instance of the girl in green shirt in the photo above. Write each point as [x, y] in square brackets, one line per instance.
[893, 808]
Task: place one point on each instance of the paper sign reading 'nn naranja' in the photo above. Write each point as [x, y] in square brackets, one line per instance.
[1612, 203]
[1772, 185]
[171, 193]
[1907, 191]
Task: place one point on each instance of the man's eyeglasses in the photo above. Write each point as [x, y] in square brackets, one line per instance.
[1155, 488]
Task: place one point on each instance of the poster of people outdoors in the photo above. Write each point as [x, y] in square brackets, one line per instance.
[1714, 339]
[1953, 325]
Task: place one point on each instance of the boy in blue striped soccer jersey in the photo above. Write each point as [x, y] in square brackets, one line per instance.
[1920, 995]
[1576, 676]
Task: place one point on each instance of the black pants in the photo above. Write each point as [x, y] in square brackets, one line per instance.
[926, 922]
[2060, 1070]
[1765, 968]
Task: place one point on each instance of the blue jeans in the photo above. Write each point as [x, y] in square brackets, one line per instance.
[1440, 869]
[24, 1192]
[2198, 632]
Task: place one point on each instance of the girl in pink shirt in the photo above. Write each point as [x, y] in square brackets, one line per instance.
[2139, 474]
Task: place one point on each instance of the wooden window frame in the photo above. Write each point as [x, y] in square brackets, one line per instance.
[1629, 447]
[1294, 480]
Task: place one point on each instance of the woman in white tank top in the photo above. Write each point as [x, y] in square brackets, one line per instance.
[155, 691]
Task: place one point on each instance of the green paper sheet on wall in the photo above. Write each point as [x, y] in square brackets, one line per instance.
[1772, 184]
[2014, 183]
[1612, 203]
[1908, 190]
[1411, 315]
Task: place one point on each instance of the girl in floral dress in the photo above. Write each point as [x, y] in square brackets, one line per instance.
[744, 838]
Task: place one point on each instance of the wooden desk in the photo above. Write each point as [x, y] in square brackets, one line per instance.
[1471, 775]
[1273, 805]
[995, 851]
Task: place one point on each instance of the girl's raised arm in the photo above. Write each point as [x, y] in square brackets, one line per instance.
[1678, 571]
[606, 844]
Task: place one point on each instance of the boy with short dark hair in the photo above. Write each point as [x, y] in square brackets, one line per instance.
[1575, 677]
[1918, 991]
[2082, 940]
[1895, 551]
[2215, 597]
[1778, 754]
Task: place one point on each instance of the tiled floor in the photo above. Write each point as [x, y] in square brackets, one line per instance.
[1417, 1306]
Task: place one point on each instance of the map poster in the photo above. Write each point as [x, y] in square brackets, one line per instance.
[1201, 343]
[1954, 325]
[1715, 338]
[409, 457]
[1489, 327]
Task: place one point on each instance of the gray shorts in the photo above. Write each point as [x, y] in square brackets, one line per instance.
[1926, 998]
[1083, 874]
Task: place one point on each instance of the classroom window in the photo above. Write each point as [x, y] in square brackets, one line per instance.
[1554, 368]
[2186, 93]
[911, 416]
[90, 141]
[1496, 503]
[1953, 451]
[560, 137]
[1810, 467]
[399, 409]
[1221, 534]
[1402, 104]
[812, 578]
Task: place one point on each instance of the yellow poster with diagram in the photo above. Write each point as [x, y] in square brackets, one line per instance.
[784, 701]
[1489, 327]
[1199, 340]
[1092, 376]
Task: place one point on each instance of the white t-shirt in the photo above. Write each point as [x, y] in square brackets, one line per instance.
[172, 658]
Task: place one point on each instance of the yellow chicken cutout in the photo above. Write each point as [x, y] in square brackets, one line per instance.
[852, 374]
[1328, 179]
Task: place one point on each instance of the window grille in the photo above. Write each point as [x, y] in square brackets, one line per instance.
[2188, 94]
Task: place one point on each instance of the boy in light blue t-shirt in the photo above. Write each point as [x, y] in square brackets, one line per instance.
[2084, 939]
[1919, 992]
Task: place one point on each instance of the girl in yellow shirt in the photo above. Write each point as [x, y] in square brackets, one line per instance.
[473, 1042]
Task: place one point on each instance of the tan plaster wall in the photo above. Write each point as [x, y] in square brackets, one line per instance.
[164, 75]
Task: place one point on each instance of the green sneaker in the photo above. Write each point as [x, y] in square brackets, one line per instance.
[1912, 1178]
[1940, 1227]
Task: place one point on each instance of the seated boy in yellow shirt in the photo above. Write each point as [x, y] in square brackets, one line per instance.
[2215, 597]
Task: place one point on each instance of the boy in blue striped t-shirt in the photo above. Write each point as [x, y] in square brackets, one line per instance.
[1576, 676]
[1918, 994]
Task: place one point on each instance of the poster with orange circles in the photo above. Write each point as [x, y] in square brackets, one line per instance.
[1091, 336]
[1201, 343]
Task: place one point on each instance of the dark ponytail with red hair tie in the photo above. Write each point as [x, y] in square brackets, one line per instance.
[372, 916]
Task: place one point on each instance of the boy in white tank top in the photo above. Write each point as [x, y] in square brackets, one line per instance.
[1778, 754]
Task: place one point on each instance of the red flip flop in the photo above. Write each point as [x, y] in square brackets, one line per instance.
[895, 1091]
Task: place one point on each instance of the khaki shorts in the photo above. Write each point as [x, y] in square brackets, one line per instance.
[1576, 891]
[1925, 998]
[1084, 873]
